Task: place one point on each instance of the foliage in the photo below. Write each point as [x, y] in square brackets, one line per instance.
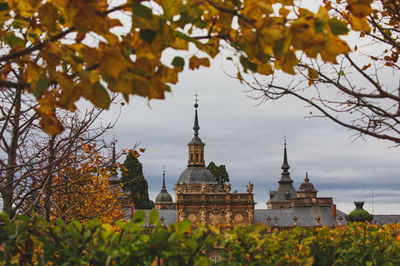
[85, 189]
[30, 157]
[130, 243]
[69, 49]
[134, 181]
[219, 172]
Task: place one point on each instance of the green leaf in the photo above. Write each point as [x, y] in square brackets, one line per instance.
[100, 97]
[184, 226]
[153, 217]
[147, 35]
[41, 85]
[13, 40]
[319, 25]
[338, 27]
[178, 62]
[142, 11]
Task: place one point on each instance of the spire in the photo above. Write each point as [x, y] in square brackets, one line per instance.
[163, 189]
[114, 175]
[113, 153]
[285, 176]
[196, 146]
[285, 166]
[196, 120]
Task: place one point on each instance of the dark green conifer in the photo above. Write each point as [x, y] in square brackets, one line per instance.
[134, 181]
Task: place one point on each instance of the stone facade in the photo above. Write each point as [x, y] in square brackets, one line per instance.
[215, 207]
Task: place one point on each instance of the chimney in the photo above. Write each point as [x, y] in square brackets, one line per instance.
[334, 210]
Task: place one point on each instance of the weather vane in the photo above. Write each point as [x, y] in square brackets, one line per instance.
[196, 100]
[163, 169]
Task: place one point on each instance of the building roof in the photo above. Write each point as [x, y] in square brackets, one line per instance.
[305, 216]
[285, 191]
[385, 219]
[307, 186]
[196, 175]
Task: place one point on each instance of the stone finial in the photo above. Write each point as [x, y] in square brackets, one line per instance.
[295, 221]
[317, 220]
[275, 221]
[269, 220]
[340, 220]
[250, 187]
[162, 220]
[181, 215]
[227, 187]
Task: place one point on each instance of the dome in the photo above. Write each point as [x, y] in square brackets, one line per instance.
[163, 197]
[307, 186]
[196, 175]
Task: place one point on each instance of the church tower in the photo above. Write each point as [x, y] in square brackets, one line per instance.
[196, 174]
[196, 146]
[280, 199]
[198, 195]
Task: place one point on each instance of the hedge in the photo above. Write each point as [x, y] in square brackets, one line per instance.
[27, 241]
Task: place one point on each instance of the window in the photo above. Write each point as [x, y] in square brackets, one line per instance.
[197, 157]
[201, 157]
[191, 157]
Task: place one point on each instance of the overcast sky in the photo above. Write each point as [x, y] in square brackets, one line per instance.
[248, 139]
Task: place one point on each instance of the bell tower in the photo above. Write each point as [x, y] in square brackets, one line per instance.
[196, 146]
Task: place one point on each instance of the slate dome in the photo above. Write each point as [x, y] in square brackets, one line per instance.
[196, 175]
[163, 197]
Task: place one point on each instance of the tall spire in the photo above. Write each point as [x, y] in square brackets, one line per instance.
[285, 166]
[113, 153]
[114, 175]
[285, 176]
[163, 189]
[196, 120]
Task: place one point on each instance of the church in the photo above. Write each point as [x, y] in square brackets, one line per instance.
[201, 198]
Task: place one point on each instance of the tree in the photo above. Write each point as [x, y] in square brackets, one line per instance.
[219, 172]
[82, 191]
[133, 181]
[359, 90]
[30, 157]
[61, 51]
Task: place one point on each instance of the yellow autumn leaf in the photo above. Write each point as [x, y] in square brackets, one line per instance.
[195, 62]
[48, 15]
[359, 24]
[265, 69]
[140, 85]
[360, 8]
[112, 62]
[288, 62]
[334, 47]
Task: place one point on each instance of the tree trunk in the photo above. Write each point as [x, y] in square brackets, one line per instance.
[8, 189]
